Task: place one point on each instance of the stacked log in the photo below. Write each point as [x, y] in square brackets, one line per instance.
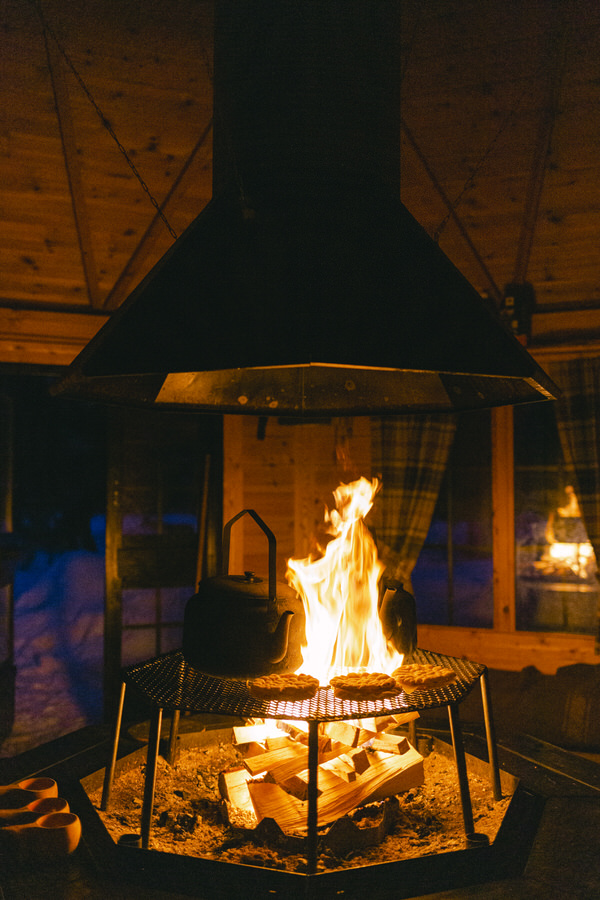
[358, 763]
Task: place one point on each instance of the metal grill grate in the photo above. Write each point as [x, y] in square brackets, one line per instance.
[169, 682]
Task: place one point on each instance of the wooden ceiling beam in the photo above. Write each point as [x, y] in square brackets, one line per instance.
[69, 145]
[493, 287]
[556, 66]
[194, 169]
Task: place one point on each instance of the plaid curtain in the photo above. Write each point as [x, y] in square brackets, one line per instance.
[578, 418]
[409, 455]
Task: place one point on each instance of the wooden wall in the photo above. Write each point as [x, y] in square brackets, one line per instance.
[286, 473]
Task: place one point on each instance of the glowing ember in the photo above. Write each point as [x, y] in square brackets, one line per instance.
[340, 592]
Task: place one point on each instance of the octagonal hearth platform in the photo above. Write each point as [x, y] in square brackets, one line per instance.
[549, 847]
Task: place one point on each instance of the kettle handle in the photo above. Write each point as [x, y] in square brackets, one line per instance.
[272, 547]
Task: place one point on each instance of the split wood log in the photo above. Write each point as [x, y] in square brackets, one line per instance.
[347, 733]
[268, 798]
[328, 776]
[290, 760]
[327, 779]
[246, 734]
[325, 744]
[253, 749]
[376, 724]
[300, 735]
[296, 786]
[358, 758]
[390, 743]
[276, 743]
[356, 734]
[297, 731]
[272, 759]
[284, 770]
[405, 718]
[233, 786]
[275, 736]
[341, 767]
[391, 775]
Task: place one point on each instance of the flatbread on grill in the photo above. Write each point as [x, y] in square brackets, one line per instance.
[364, 686]
[423, 677]
[287, 686]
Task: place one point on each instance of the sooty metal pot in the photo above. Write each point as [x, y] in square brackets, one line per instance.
[244, 625]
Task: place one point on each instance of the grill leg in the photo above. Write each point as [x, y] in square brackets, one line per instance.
[461, 768]
[173, 734]
[491, 736]
[109, 773]
[150, 782]
[312, 818]
[412, 733]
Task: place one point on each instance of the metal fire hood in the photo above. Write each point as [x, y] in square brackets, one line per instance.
[305, 287]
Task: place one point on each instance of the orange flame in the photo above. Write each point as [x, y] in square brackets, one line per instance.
[340, 593]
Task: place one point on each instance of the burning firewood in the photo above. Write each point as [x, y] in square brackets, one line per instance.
[388, 776]
[346, 733]
[358, 758]
[287, 761]
[381, 723]
[390, 743]
[272, 802]
[296, 786]
[341, 767]
[298, 730]
[358, 763]
[233, 786]
[246, 734]
[276, 743]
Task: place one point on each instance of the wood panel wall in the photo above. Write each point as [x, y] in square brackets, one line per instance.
[286, 473]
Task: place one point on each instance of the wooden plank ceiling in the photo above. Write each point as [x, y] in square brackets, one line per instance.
[106, 109]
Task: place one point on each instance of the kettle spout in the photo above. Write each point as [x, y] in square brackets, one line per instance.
[280, 637]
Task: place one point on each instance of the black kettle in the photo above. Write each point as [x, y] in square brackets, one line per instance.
[244, 625]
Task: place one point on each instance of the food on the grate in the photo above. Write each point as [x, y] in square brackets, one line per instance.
[287, 686]
[364, 686]
[423, 677]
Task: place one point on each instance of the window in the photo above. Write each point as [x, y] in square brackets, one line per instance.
[556, 588]
[453, 578]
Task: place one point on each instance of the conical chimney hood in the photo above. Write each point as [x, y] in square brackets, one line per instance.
[305, 287]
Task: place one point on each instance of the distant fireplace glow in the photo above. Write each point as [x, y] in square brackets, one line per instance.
[339, 588]
[569, 550]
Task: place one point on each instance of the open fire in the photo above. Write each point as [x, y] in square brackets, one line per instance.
[340, 591]
[359, 761]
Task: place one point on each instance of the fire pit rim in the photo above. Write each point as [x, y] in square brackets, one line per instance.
[502, 858]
